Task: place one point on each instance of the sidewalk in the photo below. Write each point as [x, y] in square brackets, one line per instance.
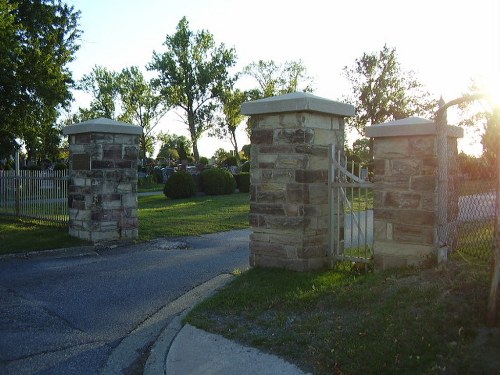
[196, 352]
[186, 350]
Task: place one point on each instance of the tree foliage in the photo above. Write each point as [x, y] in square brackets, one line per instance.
[102, 85]
[278, 79]
[38, 40]
[193, 74]
[382, 91]
[124, 96]
[141, 105]
[174, 146]
[230, 117]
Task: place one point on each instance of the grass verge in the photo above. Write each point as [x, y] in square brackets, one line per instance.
[158, 217]
[162, 217]
[398, 322]
[18, 236]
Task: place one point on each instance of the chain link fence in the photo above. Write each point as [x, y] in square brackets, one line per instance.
[476, 200]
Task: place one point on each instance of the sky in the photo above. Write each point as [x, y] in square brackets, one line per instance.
[444, 42]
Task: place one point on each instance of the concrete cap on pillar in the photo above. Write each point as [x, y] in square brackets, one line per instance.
[297, 102]
[102, 125]
[408, 127]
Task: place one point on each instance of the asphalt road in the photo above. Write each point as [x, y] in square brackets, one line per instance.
[61, 315]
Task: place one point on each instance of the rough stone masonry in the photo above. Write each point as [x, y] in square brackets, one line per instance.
[289, 210]
[102, 195]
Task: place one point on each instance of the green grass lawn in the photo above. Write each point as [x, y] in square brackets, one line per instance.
[20, 236]
[158, 217]
[399, 322]
[162, 217]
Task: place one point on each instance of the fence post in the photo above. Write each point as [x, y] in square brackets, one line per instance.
[17, 186]
[442, 184]
[495, 270]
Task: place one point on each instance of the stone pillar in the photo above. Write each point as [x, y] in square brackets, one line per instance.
[289, 211]
[102, 195]
[405, 189]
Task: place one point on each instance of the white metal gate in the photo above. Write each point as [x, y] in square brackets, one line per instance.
[351, 210]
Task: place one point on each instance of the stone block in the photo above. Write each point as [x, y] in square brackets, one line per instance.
[293, 210]
[291, 161]
[423, 183]
[102, 164]
[417, 234]
[293, 136]
[313, 150]
[423, 145]
[267, 160]
[297, 193]
[405, 167]
[261, 136]
[286, 223]
[380, 230]
[323, 137]
[311, 176]
[130, 152]
[318, 193]
[102, 138]
[321, 121]
[405, 216]
[391, 182]
[129, 233]
[126, 139]
[113, 152]
[276, 149]
[83, 138]
[390, 148]
[401, 200]
[268, 248]
[379, 167]
[123, 164]
[267, 208]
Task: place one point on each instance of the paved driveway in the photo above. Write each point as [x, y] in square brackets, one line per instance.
[67, 315]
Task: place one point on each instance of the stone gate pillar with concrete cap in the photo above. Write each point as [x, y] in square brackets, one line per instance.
[289, 211]
[102, 195]
[405, 186]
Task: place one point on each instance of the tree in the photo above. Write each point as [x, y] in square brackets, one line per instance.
[179, 143]
[230, 117]
[140, 105]
[37, 40]
[193, 73]
[278, 79]
[102, 85]
[382, 91]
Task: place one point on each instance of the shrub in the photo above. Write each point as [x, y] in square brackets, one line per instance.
[230, 161]
[245, 167]
[243, 182]
[216, 181]
[179, 185]
[60, 167]
[157, 174]
[203, 161]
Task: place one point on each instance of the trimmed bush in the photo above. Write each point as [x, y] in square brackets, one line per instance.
[216, 181]
[243, 182]
[179, 185]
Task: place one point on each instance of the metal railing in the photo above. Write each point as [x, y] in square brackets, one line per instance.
[41, 196]
[351, 210]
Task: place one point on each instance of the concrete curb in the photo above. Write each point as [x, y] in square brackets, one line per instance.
[159, 331]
